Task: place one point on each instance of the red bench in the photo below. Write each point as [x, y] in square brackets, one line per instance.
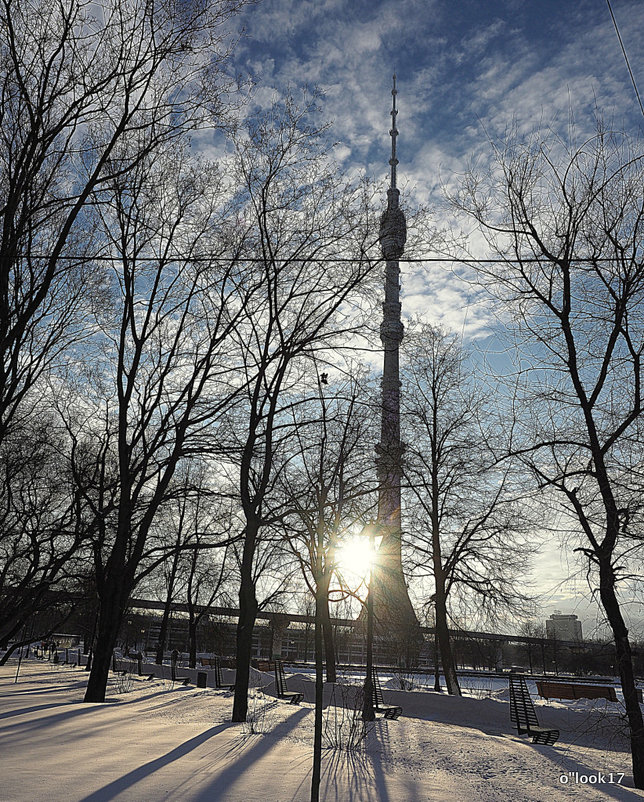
[575, 690]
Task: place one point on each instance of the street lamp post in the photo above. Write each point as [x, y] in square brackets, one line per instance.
[368, 713]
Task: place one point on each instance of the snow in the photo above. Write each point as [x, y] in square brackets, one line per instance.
[155, 740]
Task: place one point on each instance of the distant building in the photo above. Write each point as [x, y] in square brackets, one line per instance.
[563, 627]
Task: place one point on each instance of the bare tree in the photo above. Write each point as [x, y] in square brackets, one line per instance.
[536, 631]
[159, 372]
[468, 521]
[328, 490]
[85, 98]
[172, 537]
[205, 569]
[89, 93]
[42, 532]
[306, 227]
[170, 568]
[566, 224]
[327, 486]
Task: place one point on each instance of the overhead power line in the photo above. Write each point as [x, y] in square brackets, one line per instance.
[621, 44]
[465, 260]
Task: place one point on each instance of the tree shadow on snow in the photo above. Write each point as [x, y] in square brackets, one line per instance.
[24, 711]
[241, 757]
[74, 711]
[68, 687]
[353, 777]
[358, 775]
[568, 767]
[109, 791]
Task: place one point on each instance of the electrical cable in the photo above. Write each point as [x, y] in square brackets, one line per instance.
[339, 260]
[621, 43]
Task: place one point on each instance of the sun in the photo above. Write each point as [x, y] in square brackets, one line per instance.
[354, 558]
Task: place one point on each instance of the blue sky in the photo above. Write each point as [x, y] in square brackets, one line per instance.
[467, 71]
[464, 67]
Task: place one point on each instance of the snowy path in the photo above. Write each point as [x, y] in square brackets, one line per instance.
[162, 743]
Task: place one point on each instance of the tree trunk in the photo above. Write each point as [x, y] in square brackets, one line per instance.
[89, 635]
[109, 623]
[92, 642]
[625, 668]
[442, 633]
[440, 601]
[115, 586]
[192, 642]
[9, 652]
[163, 629]
[368, 712]
[245, 626]
[329, 648]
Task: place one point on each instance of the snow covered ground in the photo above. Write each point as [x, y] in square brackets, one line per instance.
[153, 740]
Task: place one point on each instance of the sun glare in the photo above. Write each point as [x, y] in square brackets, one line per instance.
[355, 557]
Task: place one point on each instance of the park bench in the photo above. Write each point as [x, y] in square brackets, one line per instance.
[137, 657]
[283, 692]
[215, 663]
[524, 716]
[219, 681]
[378, 705]
[574, 690]
[121, 672]
[173, 669]
[69, 662]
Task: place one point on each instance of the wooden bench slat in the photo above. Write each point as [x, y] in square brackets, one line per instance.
[294, 697]
[219, 679]
[391, 713]
[524, 716]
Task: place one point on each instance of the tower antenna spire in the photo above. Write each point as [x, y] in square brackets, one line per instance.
[393, 161]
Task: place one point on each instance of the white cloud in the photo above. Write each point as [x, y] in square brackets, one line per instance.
[463, 81]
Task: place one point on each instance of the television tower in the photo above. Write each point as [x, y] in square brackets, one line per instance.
[395, 619]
